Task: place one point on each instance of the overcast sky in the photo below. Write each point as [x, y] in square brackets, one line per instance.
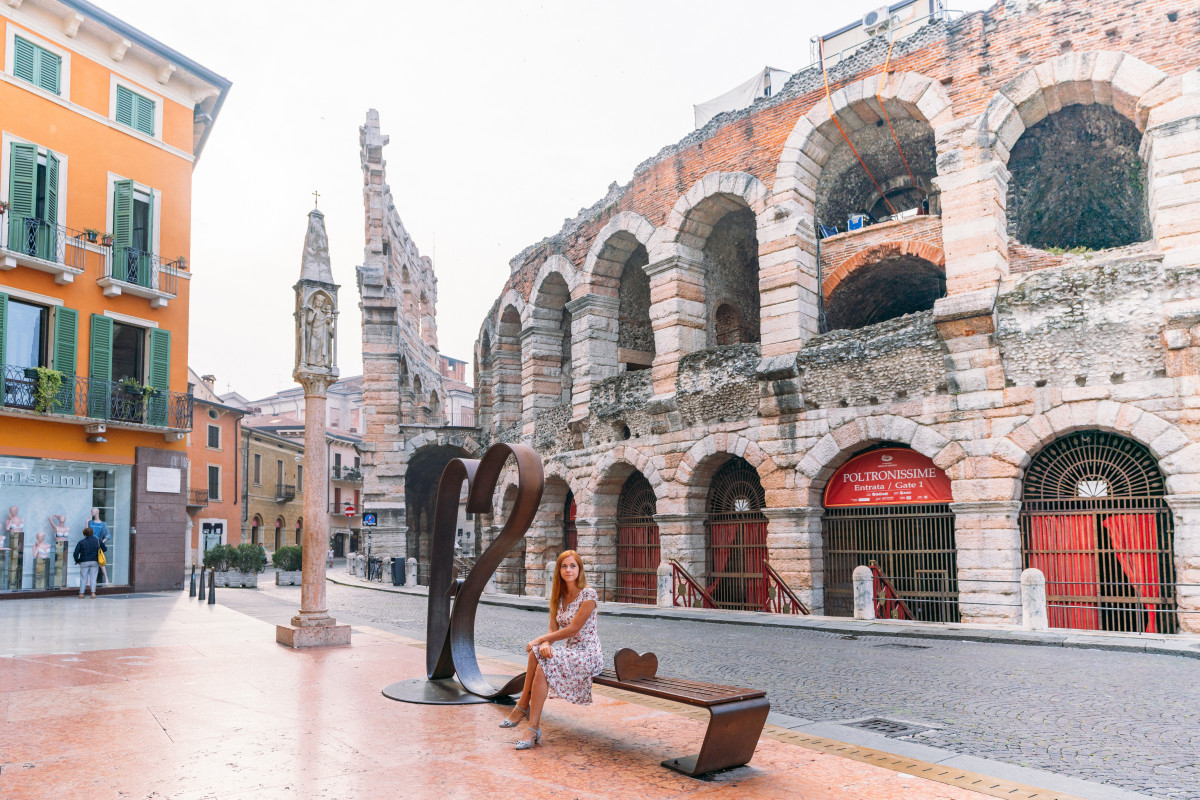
[505, 118]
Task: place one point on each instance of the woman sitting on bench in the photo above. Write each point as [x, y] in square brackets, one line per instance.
[563, 661]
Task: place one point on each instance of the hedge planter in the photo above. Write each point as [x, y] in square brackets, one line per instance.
[288, 577]
[235, 579]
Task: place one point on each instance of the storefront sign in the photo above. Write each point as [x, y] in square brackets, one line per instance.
[76, 479]
[163, 479]
[890, 477]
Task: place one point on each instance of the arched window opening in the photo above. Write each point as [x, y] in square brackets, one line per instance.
[885, 290]
[635, 333]
[900, 527]
[506, 367]
[278, 541]
[1077, 182]
[731, 255]
[736, 534]
[637, 542]
[1095, 522]
[551, 349]
[846, 191]
[256, 530]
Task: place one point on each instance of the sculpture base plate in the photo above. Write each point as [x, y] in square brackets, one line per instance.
[318, 636]
[445, 692]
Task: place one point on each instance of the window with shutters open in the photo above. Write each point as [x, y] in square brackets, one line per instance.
[133, 233]
[135, 110]
[33, 178]
[38, 66]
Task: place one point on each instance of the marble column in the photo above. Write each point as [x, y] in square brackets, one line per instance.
[988, 543]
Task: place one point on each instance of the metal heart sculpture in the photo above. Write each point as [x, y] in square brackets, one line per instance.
[450, 628]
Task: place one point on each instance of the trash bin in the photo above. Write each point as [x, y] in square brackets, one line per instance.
[397, 572]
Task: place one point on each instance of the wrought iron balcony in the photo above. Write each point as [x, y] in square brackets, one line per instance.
[44, 246]
[133, 271]
[348, 474]
[102, 401]
[197, 498]
[285, 492]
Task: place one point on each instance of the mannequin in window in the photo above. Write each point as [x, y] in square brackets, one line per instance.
[13, 524]
[59, 523]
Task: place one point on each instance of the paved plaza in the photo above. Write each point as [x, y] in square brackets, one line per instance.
[1122, 719]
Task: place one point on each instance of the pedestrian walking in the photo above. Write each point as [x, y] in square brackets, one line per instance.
[88, 552]
[563, 661]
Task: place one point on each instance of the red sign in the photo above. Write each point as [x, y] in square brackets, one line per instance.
[892, 476]
[349, 510]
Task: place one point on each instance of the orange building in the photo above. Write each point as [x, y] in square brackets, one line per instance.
[214, 461]
[100, 129]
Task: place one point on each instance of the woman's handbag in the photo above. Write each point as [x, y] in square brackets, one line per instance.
[101, 558]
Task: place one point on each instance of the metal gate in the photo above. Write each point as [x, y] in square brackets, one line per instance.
[913, 546]
[570, 531]
[736, 538]
[1094, 520]
[637, 542]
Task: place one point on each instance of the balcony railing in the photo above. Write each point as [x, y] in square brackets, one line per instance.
[96, 399]
[339, 507]
[197, 498]
[343, 473]
[461, 419]
[135, 267]
[35, 238]
[285, 492]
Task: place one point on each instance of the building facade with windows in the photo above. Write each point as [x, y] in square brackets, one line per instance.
[100, 130]
[214, 466]
[272, 489]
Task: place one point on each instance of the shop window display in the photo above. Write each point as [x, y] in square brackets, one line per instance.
[47, 506]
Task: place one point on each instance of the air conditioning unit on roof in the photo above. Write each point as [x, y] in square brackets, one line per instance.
[877, 21]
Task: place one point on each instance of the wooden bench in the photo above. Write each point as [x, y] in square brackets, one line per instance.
[736, 715]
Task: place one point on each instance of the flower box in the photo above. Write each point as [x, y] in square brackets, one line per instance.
[235, 579]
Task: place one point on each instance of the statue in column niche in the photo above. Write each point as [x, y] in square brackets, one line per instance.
[318, 320]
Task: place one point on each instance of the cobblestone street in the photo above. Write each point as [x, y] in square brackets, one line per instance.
[1125, 720]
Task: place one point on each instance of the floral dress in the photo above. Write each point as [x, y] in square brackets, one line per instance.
[576, 660]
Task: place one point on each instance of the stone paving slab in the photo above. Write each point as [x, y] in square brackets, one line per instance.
[313, 724]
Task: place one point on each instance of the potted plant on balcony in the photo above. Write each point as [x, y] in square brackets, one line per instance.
[288, 561]
[132, 386]
[46, 391]
[3, 206]
[107, 241]
[92, 234]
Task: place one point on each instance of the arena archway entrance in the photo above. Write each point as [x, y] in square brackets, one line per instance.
[736, 538]
[1094, 520]
[637, 542]
[570, 530]
[888, 508]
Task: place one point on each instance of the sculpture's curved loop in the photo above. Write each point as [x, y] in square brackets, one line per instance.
[450, 635]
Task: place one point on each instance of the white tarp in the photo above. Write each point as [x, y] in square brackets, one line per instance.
[767, 82]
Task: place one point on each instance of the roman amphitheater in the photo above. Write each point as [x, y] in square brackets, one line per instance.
[935, 308]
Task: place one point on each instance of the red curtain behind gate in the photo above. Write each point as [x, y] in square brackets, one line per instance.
[756, 556]
[1064, 549]
[1135, 542]
[638, 549]
[723, 537]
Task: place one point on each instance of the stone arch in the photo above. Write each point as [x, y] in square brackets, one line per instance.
[612, 247]
[695, 213]
[885, 281]
[906, 95]
[1178, 457]
[546, 342]
[845, 441]
[506, 361]
[600, 499]
[701, 462]
[554, 265]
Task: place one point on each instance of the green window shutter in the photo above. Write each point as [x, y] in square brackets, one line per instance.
[124, 106]
[49, 69]
[100, 366]
[123, 214]
[24, 59]
[3, 343]
[22, 183]
[50, 214]
[143, 115]
[66, 328]
[160, 376]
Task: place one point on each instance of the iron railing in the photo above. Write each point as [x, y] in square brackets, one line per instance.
[101, 400]
[686, 591]
[46, 241]
[460, 419]
[197, 497]
[343, 473]
[140, 268]
[285, 492]
[637, 560]
[780, 597]
[339, 507]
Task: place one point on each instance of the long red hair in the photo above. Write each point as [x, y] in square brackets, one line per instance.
[559, 587]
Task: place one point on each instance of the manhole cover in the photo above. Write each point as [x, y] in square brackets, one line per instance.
[898, 646]
[892, 728]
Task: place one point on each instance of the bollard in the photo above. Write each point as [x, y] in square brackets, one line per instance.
[192, 585]
[1034, 614]
[864, 593]
[410, 577]
[666, 592]
[212, 587]
[549, 571]
[202, 583]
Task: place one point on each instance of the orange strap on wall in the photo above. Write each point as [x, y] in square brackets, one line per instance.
[833, 117]
[882, 107]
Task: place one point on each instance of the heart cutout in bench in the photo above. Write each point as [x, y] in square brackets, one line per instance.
[631, 667]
